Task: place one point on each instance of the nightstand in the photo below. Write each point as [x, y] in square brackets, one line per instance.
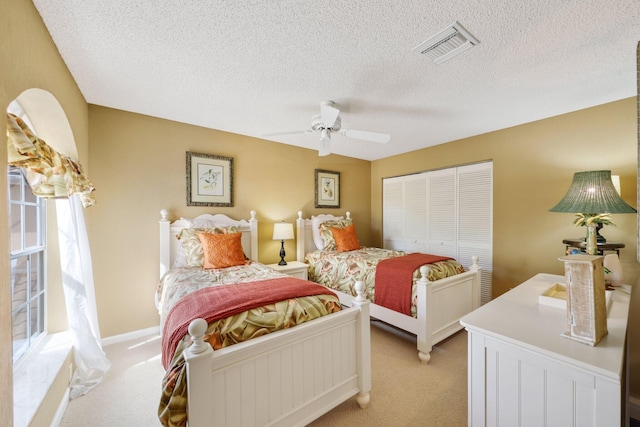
[293, 268]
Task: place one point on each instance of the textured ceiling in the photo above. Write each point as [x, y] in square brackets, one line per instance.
[263, 66]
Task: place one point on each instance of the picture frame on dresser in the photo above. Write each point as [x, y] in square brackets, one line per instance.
[209, 180]
[327, 189]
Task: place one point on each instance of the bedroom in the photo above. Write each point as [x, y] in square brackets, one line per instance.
[135, 179]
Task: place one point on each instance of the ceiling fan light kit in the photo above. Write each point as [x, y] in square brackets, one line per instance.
[325, 143]
[329, 121]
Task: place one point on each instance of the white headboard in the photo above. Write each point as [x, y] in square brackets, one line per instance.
[169, 244]
[305, 242]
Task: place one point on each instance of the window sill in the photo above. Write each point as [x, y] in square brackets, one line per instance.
[34, 376]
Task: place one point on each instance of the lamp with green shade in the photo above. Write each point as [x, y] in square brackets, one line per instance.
[592, 197]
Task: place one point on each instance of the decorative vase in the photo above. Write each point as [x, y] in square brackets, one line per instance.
[586, 300]
[592, 243]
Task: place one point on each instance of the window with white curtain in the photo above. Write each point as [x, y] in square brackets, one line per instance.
[27, 256]
[27, 263]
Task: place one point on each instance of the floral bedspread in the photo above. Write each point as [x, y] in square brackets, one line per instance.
[225, 332]
[181, 281]
[341, 270]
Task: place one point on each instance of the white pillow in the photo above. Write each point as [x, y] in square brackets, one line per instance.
[315, 228]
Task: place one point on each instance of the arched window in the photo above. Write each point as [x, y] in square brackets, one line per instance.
[27, 258]
[51, 172]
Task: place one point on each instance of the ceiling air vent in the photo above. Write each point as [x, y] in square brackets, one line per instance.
[447, 43]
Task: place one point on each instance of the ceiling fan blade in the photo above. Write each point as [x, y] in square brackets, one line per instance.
[293, 132]
[366, 135]
[328, 114]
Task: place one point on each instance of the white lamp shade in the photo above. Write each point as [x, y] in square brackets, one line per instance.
[282, 231]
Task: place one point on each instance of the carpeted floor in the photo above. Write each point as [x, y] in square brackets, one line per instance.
[404, 391]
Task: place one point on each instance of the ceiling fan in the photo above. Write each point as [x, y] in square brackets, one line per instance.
[329, 121]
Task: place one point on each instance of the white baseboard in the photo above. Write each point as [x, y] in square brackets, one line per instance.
[57, 418]
[130, 335]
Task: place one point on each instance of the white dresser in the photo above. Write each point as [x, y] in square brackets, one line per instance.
[523, 373]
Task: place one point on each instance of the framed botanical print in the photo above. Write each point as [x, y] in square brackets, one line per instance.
[327, 189]
[209, 180]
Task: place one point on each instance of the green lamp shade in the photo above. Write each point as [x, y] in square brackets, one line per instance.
[592, 192]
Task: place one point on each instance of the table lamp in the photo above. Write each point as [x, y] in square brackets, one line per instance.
[592, 196]
[282, 231]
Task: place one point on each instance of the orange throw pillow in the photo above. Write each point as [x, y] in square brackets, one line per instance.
[345, 238]
[221, 250]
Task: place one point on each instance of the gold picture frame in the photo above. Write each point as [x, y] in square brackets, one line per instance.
[209, 180]
[327, 190]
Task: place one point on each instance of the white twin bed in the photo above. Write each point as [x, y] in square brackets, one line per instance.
[292, 376]
[438, 304]
[285, 378]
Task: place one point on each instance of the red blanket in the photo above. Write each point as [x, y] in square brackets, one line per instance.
[218, 302]
[394, 280]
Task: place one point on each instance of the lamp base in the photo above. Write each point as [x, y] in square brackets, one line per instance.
[282, 254]
[599, 237]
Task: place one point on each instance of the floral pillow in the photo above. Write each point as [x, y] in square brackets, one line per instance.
[329, 243]
[316, 222]
[191, 253]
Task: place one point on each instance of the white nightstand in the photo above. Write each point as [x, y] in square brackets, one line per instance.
[293, 268]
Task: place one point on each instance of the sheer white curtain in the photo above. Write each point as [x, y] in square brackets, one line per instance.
[79, 291]
[51, 174]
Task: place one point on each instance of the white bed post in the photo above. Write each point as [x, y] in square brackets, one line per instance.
[300, 245]
[476, 293]
[165, 257]
[253, 225]
[198, 359]
[363, 345]
[424, 334]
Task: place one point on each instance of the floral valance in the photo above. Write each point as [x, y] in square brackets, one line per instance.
[49, 173]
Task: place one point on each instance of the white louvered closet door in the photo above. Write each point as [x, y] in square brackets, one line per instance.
[442, 200]
[475, 221]
[446, 212]
[415, 213]
[392, 213]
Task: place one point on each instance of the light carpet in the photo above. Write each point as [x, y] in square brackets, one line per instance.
[404, 391]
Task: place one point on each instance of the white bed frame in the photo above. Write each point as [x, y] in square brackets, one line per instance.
[441, 304]
[286, 378]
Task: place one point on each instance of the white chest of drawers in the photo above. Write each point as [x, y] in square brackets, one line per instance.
[522, 372]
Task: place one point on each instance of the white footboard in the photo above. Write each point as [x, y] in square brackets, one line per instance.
[287, 378]
[440, 306]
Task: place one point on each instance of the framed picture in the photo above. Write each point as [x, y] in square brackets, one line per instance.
[209, 180]
[327, 189]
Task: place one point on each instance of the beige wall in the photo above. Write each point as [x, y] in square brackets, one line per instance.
[29, 60]
[138, 168]
[533, 166]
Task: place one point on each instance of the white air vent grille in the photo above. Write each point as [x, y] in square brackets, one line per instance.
[447, 43]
